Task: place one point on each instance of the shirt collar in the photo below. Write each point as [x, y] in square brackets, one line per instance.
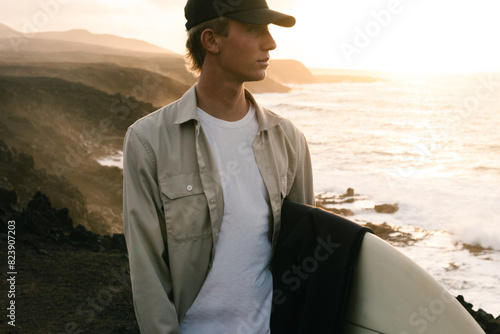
[187, 110]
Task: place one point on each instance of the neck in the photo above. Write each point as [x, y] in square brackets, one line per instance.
[221, 99]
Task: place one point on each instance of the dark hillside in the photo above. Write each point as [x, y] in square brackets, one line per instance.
[169, 67]
[20, 179]
[146, 86]
[68, 109]
[66, 127]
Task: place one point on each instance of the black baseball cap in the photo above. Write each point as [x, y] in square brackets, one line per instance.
[248, 11]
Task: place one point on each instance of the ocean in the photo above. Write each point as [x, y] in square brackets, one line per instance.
[429, 144]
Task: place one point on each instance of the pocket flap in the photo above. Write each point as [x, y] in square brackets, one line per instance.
[181, 185]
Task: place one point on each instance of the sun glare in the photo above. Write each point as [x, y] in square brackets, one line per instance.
[404, 36]
[422, 36]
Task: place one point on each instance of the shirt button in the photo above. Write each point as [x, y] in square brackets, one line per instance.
[212, 201]
[189, 188]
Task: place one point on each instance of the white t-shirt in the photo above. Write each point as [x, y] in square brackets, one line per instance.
[236, 297]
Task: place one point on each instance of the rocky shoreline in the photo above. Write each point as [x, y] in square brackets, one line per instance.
[71, 280]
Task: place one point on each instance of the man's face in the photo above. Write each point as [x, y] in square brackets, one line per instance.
[244, 53]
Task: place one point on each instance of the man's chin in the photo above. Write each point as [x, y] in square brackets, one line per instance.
[257, 78]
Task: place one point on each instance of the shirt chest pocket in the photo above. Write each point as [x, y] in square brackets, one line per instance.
[185, 208]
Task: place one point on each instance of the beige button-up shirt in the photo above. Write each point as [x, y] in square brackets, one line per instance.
[173, 203]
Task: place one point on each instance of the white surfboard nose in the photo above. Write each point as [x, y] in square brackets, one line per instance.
[391, 294]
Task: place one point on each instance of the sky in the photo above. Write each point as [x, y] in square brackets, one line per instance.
[424, 36]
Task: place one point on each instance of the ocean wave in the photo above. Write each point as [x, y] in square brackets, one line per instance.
[297, 107]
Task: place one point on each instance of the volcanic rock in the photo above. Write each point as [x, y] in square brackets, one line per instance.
[387, 208]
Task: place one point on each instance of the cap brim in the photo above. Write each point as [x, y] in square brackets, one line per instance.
[263, 16]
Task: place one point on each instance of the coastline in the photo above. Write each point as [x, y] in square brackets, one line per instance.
[74, 280]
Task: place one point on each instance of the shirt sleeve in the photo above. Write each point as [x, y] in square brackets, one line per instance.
[145, 234]
[302, 190]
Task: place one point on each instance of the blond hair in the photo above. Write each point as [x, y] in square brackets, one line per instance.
[196, 53]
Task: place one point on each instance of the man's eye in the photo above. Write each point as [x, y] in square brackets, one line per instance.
[259, 29]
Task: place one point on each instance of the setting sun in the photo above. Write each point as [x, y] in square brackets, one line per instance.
[391, 35]
[397, 35]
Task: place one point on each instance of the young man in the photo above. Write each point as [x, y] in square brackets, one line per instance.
[204, 181]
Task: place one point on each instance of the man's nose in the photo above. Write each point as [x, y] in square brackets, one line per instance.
[270, 43]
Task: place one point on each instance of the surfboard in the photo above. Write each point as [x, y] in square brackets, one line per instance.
[391, 294]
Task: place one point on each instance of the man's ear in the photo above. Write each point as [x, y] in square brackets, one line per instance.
[210, 41]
